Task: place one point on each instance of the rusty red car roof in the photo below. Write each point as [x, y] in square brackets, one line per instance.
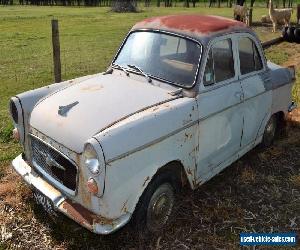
[198, 25]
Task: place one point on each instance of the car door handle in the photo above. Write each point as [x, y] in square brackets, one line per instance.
[239, 95]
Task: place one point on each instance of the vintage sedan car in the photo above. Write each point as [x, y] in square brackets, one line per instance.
[184, 97]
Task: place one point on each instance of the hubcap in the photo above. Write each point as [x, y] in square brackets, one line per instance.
[270, 131]
[160, 207]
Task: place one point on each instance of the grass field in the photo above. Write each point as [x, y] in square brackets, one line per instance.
[89, 39]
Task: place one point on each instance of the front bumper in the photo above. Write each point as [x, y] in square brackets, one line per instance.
[61, 203]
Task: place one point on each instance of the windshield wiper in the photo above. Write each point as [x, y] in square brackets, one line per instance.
[117, 66]
[141, 71]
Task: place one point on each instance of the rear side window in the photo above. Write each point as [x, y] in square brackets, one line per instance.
[250, 59]
[172, 45]
[220, 64]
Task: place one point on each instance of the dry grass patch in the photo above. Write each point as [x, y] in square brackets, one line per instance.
[248, 175]
[295, 180]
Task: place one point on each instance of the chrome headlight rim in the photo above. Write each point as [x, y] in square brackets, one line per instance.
[91, 159]
[13, 111]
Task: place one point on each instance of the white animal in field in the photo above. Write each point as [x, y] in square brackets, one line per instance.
[241, 11]
[267, 19]
[279, 15]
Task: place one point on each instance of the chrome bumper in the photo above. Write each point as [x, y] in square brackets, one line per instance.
[61, 203]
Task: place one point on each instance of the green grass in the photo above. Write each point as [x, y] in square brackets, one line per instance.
[89, 39]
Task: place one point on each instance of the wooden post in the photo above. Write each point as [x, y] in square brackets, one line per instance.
[250, 17]
[56, 51]
[298, 13]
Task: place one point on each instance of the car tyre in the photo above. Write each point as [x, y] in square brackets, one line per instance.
[297, 35]
[290, 33]
[156, 203]
[270, 132]
[284, 33]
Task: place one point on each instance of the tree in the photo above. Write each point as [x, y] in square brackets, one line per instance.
[124, 6]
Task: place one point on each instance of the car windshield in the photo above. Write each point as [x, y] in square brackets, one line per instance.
[159, 55]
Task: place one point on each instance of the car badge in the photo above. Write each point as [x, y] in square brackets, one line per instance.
[63, 110]
[53, 163]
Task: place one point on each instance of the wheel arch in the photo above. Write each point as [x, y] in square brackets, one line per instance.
[280, 116]
[178, 168]
[175, 166]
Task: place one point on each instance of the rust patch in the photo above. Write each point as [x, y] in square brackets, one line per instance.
[189, 172]
[187, 136]
[82, 215]
[92, 88]
[102, 221]
[82, 191]
[78, 213]
[201, 24]
[124, 207]
[146, 180]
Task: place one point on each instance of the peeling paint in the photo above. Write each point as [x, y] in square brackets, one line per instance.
[146, 180]
[124, 206]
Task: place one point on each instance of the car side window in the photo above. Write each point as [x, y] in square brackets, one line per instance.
[220, 63]
[250, 59]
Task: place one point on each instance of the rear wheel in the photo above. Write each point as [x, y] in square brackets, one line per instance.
[270, 132]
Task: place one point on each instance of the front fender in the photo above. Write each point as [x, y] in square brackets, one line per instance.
[136, 148]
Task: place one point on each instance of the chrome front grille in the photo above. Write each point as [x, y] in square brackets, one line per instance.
[53, 163]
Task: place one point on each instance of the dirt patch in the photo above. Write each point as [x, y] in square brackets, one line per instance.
[294, 118]
[294, 60]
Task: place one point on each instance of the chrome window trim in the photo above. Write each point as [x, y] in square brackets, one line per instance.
[172, 34]
[48, 177]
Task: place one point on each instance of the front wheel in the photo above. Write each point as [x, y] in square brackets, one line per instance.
[270, 132]
[156, 204]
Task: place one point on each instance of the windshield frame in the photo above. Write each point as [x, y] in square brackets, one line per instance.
[156, 77]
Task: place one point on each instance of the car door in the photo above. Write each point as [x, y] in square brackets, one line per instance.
[219, 104]
[253, 77]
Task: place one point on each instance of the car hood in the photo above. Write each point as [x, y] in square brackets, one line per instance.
[92, 106]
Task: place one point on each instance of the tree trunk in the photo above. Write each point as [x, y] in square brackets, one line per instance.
[251, 13]
[124, 6]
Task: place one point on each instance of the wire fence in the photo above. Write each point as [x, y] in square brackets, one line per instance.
[147, 3]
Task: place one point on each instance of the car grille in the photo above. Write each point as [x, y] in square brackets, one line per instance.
[54, 163]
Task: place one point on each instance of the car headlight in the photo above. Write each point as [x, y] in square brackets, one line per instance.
[91, 159]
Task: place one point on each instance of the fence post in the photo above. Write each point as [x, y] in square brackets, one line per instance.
[56, 50]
